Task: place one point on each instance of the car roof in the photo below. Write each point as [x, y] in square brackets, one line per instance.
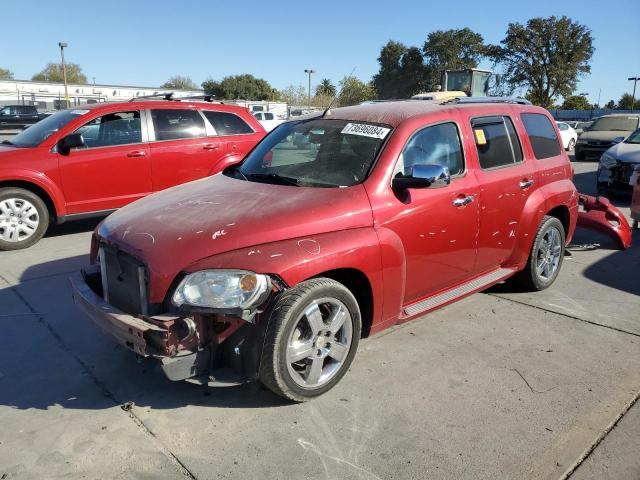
[145, 104]
[395, 112]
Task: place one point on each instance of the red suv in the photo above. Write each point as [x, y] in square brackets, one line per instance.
[276, 268]
[94, 159]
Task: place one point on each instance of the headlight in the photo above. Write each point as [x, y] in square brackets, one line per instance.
[607, 161]
[223, 289]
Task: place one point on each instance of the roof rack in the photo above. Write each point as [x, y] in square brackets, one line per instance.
[169, 96]
[517, 100]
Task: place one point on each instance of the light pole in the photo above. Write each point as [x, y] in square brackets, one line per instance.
[633, 97]
[62, 46]
[309, 72]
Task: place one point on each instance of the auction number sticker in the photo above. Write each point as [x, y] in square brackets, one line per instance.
[365, 130]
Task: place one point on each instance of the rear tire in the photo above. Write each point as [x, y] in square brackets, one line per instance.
[571, 145]
[311, 340]
[24, 218]
[545, 258]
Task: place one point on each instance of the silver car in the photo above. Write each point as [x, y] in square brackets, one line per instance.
[617, 165]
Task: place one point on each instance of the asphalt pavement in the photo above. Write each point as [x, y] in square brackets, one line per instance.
[499, 385]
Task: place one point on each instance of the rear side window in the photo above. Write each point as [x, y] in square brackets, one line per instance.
[542, 135]
[496, 142]
[434, 145]
[173, 124]
[227, 123]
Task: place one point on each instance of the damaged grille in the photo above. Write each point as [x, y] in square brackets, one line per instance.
[124, 281]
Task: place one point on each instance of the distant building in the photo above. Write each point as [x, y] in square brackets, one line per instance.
[50, 96]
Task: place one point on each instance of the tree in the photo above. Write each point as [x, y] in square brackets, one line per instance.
[243, 86]
[294, 95]
[53, 73]
[326, 88]
[6, 74]
[576, 102]
[178, 82]
[625, 102]
[546, 56]
[414, 73]
[451, 50]
[387, 81]
[354, 91]
[610, 105]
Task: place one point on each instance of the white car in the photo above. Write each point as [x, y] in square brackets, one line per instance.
[568, 135]
[268, 120]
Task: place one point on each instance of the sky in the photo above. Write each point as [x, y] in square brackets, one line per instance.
[143, 43]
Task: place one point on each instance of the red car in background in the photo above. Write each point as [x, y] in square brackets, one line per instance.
[91, 160]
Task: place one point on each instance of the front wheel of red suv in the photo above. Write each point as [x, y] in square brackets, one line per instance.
[545, 258]
[24, 218]
[311, 340]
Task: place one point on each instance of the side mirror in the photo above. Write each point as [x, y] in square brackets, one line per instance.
[617, 140]
[422, 176]
[73, 140]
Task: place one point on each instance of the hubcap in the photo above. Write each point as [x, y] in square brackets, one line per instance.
[319, 343]
[19, 219]
[548, 255]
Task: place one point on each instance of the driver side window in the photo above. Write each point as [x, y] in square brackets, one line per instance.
[434, 145]
[118, 128]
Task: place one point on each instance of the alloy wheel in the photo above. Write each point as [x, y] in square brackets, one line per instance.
[319, 344]
[548, 254]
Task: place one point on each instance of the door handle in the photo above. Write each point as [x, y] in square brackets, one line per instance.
[526, 183]
[462, 201]
[137, 153]
[210, 146]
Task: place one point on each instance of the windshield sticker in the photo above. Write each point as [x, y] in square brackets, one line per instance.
[79, 112]
[365, 130]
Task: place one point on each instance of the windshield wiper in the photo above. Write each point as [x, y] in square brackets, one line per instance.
[6, 142]
[273, 176]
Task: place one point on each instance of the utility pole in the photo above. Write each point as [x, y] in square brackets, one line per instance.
[633, 97]
[309, 72]
[62, 46]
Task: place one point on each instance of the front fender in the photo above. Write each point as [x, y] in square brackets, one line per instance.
[298, 259]
[40, 180]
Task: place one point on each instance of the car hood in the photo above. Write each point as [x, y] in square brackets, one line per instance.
[172, 229]
[625, 152]
[604, 135]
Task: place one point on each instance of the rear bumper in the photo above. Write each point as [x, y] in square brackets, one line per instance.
[598, 213]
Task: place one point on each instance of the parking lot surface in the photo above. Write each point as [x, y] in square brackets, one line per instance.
[498, 385]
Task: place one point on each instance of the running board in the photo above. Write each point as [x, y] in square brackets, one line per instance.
[447, 296]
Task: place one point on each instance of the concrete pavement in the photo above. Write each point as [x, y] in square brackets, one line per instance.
[499, 385]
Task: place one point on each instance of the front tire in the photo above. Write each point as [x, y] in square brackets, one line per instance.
[24, 218]
[311, 340]
[545, 258]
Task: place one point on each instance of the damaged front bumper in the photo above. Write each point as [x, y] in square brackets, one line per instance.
[597, 213]
[203, 348]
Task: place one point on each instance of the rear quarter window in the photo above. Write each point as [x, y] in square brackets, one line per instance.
[227, 123]
[496, 142]
[542, 135]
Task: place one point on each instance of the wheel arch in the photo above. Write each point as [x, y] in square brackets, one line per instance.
[46, 197]
[359, 285]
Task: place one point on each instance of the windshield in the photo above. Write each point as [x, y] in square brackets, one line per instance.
[634, 137]
[40, 131]
[621, 123]
[316, 153]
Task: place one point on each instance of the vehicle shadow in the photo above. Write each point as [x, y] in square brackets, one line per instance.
[77, 366]
[74, 226]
